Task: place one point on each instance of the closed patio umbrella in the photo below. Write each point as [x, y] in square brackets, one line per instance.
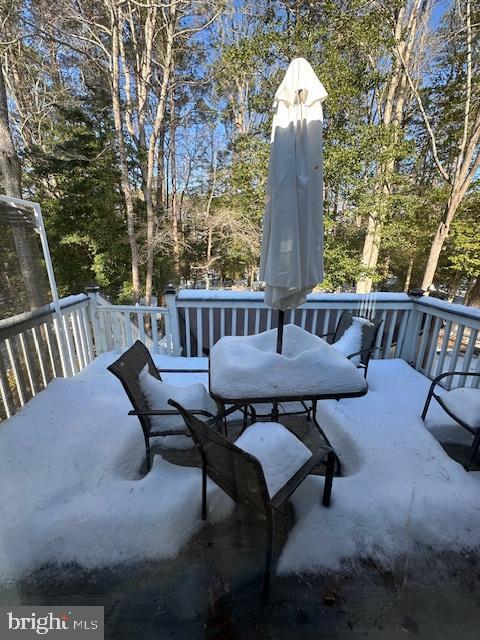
[291, 261]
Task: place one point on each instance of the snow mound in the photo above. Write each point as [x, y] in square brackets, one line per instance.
[279, 452]
[69, 464]
[403, 492]
[249, 367]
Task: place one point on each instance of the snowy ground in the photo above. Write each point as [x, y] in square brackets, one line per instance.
[70, 489]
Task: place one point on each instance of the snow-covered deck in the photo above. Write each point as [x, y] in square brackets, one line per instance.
[71, 491]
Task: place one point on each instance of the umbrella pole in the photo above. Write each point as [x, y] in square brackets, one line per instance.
[281, 320]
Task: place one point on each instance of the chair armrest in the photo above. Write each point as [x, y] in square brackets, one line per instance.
[436, 380]
[455, 373]
[286, 491]
[359, 353]
[167, 412]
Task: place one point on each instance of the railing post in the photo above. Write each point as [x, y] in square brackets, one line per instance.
[99, 338]
[174, 338]
[407, 351]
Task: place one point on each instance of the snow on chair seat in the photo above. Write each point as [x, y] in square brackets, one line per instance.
[461, 404]
[464, 403]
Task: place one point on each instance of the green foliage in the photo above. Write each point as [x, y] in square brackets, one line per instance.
[75, 178]
[465, 242]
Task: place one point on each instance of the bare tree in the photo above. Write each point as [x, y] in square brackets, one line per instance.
[408, 40]
[459, 173]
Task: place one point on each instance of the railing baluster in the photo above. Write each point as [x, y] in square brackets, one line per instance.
[378, 342]
[29, 365]
[70, 347]
[222, 322]
[401, 333]
[188, 337]
[257, 321]
[211, 329]
[467, 360]
[443, 351]
[314, 321]
[87, 333]
[128, 327]
[269, 319]
[5, 391]
[326, 321]
[153, 322]
[476, 379]
[199, 332]
[81, 333]
[304, 318]
[234, 321]
[40, 355]
[391, 328]
[432, 347]
[423, 342]
[17, 372]
[141, 326]
[76, 338]
[49, 339]
[456, 350]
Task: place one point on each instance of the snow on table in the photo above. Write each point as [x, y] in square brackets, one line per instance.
[249, 367]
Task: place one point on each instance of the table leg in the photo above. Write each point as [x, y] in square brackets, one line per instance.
[275, 412]
[324, 435]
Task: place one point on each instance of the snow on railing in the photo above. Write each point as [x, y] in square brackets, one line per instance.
[34, 350]
[444, 337]
[432, 335]
[206, 316]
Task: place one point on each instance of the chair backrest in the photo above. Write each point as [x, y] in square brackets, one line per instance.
[369, 337]
[344, 322]
[235, 471]
[126, 369]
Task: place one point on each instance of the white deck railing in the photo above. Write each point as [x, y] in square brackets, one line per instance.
[34, 350]
[433, 336]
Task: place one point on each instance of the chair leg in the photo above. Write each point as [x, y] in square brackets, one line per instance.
[204, 492]
[269, 556]
[474, 451]
[327, 491]
[427, 403]
[148, 453]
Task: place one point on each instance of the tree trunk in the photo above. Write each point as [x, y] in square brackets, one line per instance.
[455, 284]
[473, 299]
[396, 95]
[11, 170]
[122, 154]
[371, 249]
[438, 241]
[408, 277]
[173, 180]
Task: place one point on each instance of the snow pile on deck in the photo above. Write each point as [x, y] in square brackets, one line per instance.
[249, 367]
[70, 491]
[400, 491]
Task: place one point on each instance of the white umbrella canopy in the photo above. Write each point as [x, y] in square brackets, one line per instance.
[291, 261]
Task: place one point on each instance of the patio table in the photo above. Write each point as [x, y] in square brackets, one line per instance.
[236, 379]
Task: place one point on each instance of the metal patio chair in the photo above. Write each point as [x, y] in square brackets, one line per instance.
[454, 405]
[369, 338]
[241, 476]
[127, 369]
